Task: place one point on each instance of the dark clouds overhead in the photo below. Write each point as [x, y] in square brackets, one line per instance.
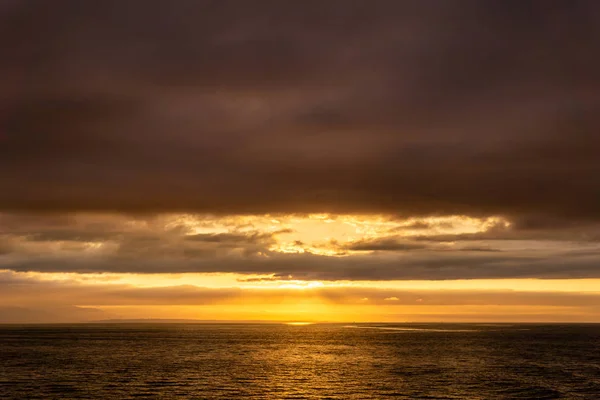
[231, 106]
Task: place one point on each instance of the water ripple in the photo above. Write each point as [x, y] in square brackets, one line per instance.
[479, 361]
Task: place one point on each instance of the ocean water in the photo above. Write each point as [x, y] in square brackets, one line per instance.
[275, 361]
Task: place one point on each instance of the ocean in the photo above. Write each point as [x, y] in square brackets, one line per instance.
[321, 361]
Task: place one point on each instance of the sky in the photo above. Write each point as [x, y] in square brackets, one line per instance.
[394, 161]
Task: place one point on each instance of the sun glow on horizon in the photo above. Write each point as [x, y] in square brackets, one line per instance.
[298, 268]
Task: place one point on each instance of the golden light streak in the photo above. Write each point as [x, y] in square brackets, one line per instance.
[217, 281]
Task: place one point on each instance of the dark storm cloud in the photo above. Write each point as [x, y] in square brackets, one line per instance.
[251, 238]
[566, 231]
[483, 249]
[53, 236]
[384, 245]
[374, 106]
[472, 264]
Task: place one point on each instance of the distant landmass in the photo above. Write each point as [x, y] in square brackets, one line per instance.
[66, 314]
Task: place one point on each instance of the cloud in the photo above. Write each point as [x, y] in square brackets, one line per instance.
[426, 266]
[474, 248]
[472, 108]
[148, 137]
[580, 231]
[269, 247]
[253, 237]
[384, 245]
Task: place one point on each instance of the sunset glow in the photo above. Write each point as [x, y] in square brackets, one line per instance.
[299, 162]
[313, 267]
[329, 199]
